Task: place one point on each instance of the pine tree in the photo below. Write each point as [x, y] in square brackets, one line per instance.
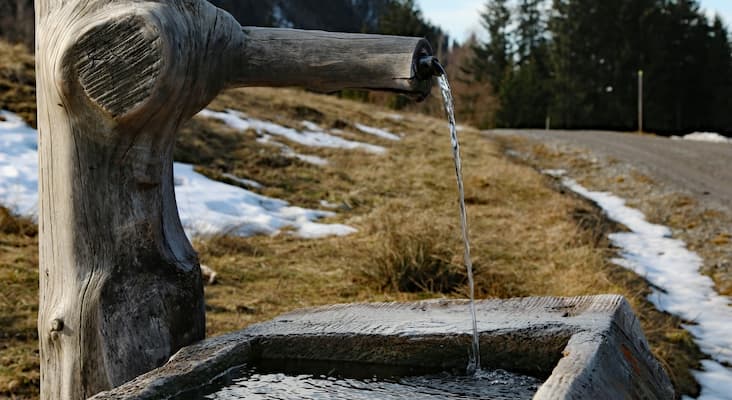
[493, 58]
[524, 94]
[720, 78]
[530, 30]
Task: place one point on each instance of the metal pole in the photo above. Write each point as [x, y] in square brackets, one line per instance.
[640, 101]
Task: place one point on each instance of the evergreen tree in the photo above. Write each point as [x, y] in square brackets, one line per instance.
[493, 58]
[404, 18]
[524, 94]
[581, 60]
[720, 58]
[530, 29]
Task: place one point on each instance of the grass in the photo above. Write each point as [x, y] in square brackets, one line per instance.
[17, 81]
[528, 238]
[19, 374]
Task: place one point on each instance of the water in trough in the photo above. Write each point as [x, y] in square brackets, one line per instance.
[494, 385]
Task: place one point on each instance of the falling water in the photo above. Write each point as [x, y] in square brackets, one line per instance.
[474, 362]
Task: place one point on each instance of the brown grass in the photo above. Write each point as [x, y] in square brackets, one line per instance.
[528, 239]
[17, 81]
[19, 374]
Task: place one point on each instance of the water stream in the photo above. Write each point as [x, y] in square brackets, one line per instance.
[474, 361]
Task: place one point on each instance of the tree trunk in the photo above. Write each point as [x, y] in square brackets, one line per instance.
[120, 284]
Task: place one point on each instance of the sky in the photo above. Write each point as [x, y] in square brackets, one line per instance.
[460, 17]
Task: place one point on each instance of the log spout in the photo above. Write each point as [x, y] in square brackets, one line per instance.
[327, 61]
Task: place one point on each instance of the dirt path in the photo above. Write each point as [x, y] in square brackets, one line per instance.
[703, 170]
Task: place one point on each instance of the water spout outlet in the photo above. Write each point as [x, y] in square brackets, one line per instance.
[429, 66]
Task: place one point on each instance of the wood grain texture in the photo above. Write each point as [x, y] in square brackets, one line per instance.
[328, 62]
[120, 284]
[585, 347]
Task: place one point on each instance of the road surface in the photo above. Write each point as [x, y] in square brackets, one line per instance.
[702, 169]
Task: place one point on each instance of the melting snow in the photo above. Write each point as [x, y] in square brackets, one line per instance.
[246, 182]
[678, 287]
[313, 138]
[707, 137]
[395, 117]
[18, 165]
[209, 207]
[288, 152]
[205, 206]
[382, 133]
[327, 204]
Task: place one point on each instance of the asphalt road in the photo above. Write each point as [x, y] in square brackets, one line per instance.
[700, 168]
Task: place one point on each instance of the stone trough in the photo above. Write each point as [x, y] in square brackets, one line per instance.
[583, 347]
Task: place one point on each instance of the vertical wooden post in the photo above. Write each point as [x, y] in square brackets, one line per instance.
[120, 284]
[640, 101]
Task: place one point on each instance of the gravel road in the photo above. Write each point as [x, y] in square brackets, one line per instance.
[702, 169]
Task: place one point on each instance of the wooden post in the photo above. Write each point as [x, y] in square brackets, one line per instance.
[640, 101]
[120, 285]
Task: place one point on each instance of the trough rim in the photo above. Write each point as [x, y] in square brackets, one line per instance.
[606, 353]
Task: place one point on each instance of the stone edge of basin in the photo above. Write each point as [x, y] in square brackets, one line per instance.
[604, 352]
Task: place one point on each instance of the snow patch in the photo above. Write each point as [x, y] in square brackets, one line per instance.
[206, 207]
[707, 137]
[394, 117]
[209, 207]
[312, 138]
[246, 182]
[18, 165]
[678, 286]
[327, 204]
[382, 133]
[288, 152]
[556, 173]
[312, 126]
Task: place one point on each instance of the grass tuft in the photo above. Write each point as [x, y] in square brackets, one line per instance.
[13, 225]
[411, 254]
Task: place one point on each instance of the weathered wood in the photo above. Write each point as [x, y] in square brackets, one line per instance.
[120, 286]
[327, 61]
[587, 347]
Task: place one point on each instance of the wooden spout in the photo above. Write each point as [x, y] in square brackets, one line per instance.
[327, 61]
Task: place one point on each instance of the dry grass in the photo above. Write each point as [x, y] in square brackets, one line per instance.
[19, 374]
[528, 239]
[17, 81]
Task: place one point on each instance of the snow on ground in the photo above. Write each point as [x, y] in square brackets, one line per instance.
[382, 133]
[18, 165]
[308, 137]
[205, 206]
[707, 137]
[393, 116]
[327, 204]
[288, 152]
[677, 285]
[209, 207]
[246, 182]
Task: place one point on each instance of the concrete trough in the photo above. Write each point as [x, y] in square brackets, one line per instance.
[585, 347]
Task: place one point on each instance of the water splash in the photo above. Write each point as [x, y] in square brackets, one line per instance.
[474, 361]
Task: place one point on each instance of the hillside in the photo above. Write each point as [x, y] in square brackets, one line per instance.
[393, 183]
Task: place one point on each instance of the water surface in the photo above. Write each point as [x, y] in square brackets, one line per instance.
[488, 385]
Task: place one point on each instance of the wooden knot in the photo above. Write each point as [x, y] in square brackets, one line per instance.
[57, 325]
[118, 63]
